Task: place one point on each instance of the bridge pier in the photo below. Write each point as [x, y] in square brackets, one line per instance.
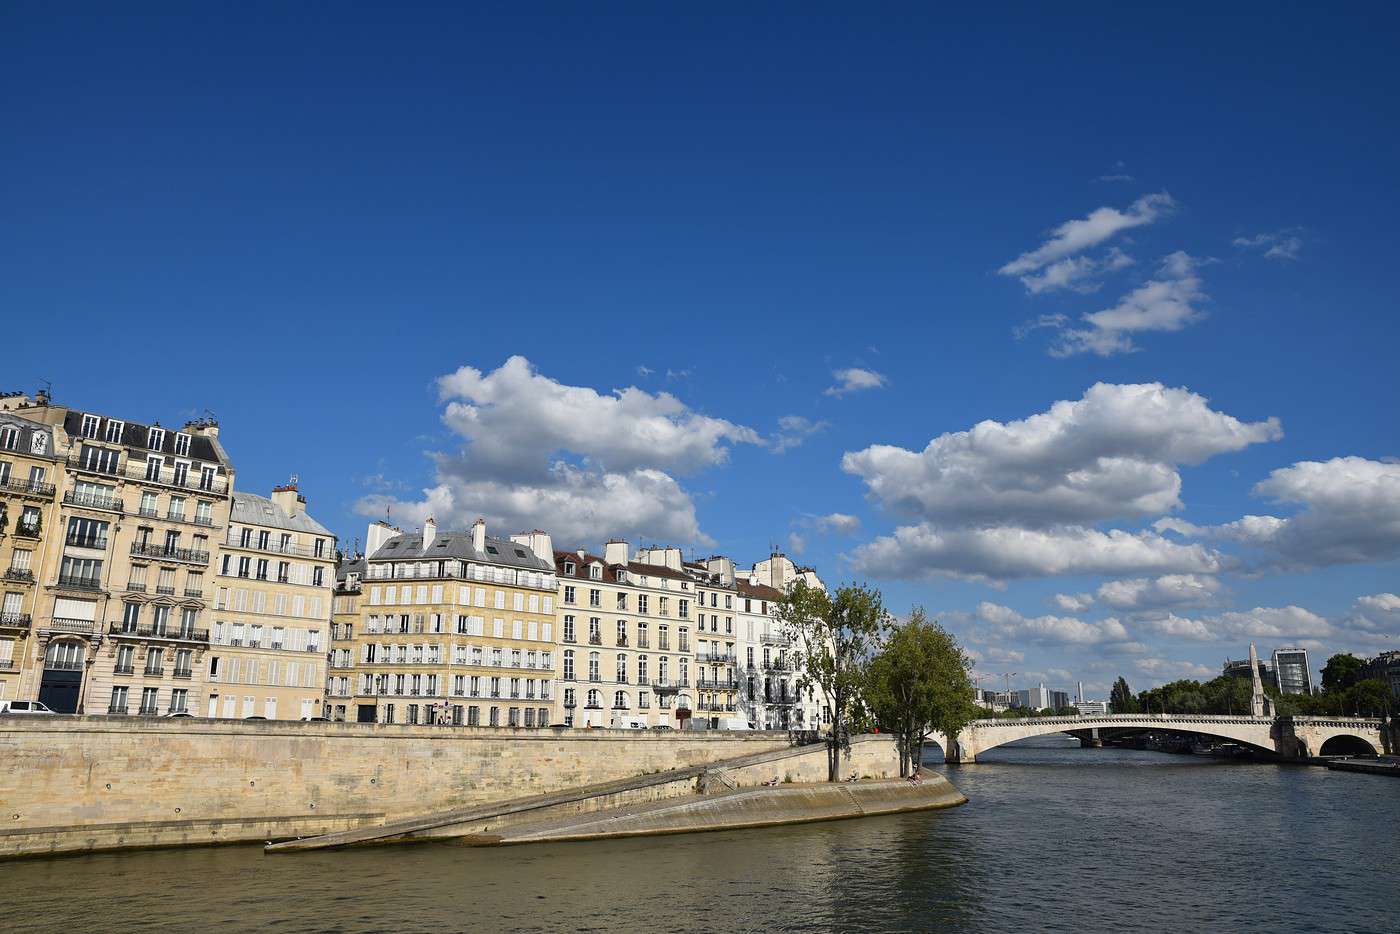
[1090, 739]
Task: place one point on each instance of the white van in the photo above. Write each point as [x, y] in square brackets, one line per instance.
[628, 722]
[24, 707]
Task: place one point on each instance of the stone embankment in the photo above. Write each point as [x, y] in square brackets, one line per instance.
[76, 784]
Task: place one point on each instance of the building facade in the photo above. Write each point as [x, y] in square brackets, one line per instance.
[1292, 674]
[345, 622]
[273, 587]
[453, 628]
[120, 612]
[30, 474]
[771, 684]
[626, 654]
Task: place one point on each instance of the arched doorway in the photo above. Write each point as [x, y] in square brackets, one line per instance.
[1346, 746]
[63, 675]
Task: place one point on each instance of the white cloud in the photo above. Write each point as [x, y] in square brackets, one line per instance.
[1076, 236]
[1283, 244]
[1077, 273]
[644, 370]
[1024, 330]
[1287, 622]
[1168, 302]
[1143, 593]
[540, 453]
[1049, 629]
[1350, 515]
[1112, 453]
[1376, 616]
[1116, 177]
[854, 379]
[796, 544]
[793, 430]
[1002, 553]
[839, 522]
[1074, 602]
[1166, 669]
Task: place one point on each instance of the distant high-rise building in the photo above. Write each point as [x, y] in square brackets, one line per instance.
[1291, 671]
[1036, 698]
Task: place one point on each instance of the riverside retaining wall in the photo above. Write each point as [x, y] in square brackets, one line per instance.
[75, 784]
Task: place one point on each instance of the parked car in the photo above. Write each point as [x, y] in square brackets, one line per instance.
[24, 707]
[315, 719]
[179, 713]
[255, 718]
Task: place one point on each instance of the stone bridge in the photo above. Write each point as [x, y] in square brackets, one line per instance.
[1288, 736]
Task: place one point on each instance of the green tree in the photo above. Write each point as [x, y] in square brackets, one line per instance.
[1367, 698]
[1120, 699]
[833, 638]
[919, 682]
[1341, 672]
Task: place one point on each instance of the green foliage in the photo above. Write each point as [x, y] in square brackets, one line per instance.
[1121, 699]
[833, 638]
[1341, 672]
[919, 682]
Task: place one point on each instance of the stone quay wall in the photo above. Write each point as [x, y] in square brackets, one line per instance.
[90, 783]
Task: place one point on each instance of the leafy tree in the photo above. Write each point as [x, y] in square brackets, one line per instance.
[919, 682]
[1368, 698]
[833, 638]
[1341, 672]
[1120, 699]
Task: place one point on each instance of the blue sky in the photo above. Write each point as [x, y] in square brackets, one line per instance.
[302, 220]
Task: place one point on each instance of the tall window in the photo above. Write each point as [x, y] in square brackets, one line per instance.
[620, 700]
[114, 431]
[155, 438]
[621, 668]
[641, 669]
[593, 667]
[182, 445]
[568, 664]
[622, 632]
[91, 424]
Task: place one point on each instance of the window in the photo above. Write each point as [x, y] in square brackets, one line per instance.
[177, 508]
[621, 668]
[91, 424]
[568, 594]
[595, 700]
[569, 568]
[568, 664]
[131, 617]
[179, 700]
[641, 669]
[622, 632]
[620, 700]
[593, 667]
[595, 631]
[114, 431]
[595, 572]
[9, 437]
[118, 702]
[155, 438]
[153, 661]
[622, 601]
[641, 603]
[182, 445]
[125, 657]
[568, 628]
[595, 598]
[153, 465]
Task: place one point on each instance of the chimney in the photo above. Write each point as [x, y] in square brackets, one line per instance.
[377, 534]
[479, 535]
[538, 542]
[287, 499]
[429, 532]
[615, 553]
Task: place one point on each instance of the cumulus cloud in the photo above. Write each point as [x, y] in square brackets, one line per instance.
[1168, 302]
[1169, 590]
[1166, 669]
[1025, 329]
[1112, 453]
[1377, 616]
[1283, 244]
[793, 430]
[540, 453]
[796, 544]
[854, 379]
[1000, 554]
[1073, 602]
[1350, 514]
[1286, 622]
[1076, 236]
[1049, 629]
[839, 522]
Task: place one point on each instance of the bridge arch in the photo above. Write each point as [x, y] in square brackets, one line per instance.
[982, 735]
[1345, 744]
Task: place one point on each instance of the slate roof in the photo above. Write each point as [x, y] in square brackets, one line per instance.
[135, 435]
[409, 547]
[252, 509]
[27, 429]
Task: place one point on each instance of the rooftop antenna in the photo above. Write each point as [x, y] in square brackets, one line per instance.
[295, 479]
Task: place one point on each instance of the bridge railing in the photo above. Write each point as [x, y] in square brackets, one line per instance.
[1137, 719]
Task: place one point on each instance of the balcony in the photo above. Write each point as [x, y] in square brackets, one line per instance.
[327, 552]
[704, 685]
[93, 501]
[184, 674]
[123, 670]
[20, 575]
[665, 686]
[622, 642]
[570, 640]
[136, 587]
[595, 638]
[642, 642]
[27, 531]
[26, 489]
[96, 542]
[9, 664]
[79, 464]
[153, 631]
[82, 626]
[194, 593]
[116, 710]
[149, 712]
[165, 591]
[69, 582]
[773, 639]
[15, 620]
[777, 664]
[187, 555]
[779, 700]
[167, 476]
[592, 706]
[715, 658]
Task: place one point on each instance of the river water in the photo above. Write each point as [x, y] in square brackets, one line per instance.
[1055, 838]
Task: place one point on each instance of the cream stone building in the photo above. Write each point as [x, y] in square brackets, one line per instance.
[626, 655]
[770, 696]
[453, 628]
[120, 615]
[30, 473]
[273, 587]
[717, 680]
[345, 622]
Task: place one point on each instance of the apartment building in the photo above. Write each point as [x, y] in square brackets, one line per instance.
[770, 694]
[624, 629]
[273, 588]
[30, 471]
[717, 681]
[453, 628]
[345, 620]
[120, 609]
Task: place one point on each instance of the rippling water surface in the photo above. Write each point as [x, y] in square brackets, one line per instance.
[1055, 839]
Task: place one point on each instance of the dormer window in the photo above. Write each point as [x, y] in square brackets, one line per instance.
[595, 572]
[182, 445]
[569, 568]
[114, 431]
[9, 437]
[91, 425]
[155, 438]
[621, 576]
